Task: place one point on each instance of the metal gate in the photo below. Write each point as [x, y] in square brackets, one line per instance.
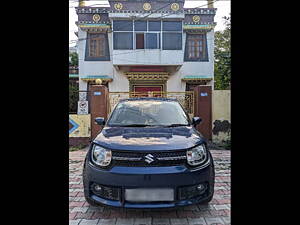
[186, 99]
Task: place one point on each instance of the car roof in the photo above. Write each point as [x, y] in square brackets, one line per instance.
[148, 99]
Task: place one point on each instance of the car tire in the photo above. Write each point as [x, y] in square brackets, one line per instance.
[86, 189]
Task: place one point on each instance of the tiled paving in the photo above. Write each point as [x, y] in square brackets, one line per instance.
[216, 212]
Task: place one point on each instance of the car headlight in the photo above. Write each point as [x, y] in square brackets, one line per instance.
[101, 156]
[197, 155]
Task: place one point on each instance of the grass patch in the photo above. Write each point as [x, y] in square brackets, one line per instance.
[227, 145]
[220, 145]
[77, 147]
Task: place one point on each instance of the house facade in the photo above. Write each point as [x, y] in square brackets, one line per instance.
[146, 45]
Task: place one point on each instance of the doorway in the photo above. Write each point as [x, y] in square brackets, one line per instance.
[148, 90]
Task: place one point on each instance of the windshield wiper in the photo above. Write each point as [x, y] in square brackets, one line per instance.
[177, 125]
[136, 125]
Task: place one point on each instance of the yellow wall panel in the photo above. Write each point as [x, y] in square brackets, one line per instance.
[80, 125]
[221, 115]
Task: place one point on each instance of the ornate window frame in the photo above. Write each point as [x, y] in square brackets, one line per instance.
[202, 57]
[105, 56]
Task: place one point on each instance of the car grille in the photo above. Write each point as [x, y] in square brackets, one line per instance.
[148, 159]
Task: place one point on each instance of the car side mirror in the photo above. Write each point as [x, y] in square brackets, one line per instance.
[100, 121]
[196, 121]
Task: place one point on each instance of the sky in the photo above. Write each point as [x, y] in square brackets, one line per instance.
[223, 9]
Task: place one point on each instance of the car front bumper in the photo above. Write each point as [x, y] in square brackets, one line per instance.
[174, 177]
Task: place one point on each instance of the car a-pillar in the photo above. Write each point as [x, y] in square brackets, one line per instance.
[98, 106]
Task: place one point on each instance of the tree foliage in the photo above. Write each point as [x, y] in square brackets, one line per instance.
[74, 59]
[73, 97]
[223, 56]
[73, 86]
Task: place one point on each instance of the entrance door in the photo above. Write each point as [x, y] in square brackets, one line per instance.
[203, 109]
[144, 90]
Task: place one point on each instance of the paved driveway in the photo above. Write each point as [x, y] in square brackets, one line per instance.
[217, 212]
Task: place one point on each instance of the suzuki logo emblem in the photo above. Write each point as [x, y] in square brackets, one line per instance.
[149, 158]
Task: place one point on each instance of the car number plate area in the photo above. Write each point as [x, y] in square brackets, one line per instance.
[149, 194]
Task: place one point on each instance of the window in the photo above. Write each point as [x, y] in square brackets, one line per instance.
[140, 25]
[147, 34]
[172, 41]
[96, 45]
[123, 25]
[147, 41]
[172, 26]
[152, 40]
[154, 25]
[196, 47]
[172, 35]
[97, 48]
[123, 40]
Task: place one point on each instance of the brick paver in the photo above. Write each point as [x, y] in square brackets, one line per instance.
[216, 212]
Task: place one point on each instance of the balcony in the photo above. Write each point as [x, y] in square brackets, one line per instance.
[148, 57]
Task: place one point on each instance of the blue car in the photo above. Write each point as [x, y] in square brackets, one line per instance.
[148, 155]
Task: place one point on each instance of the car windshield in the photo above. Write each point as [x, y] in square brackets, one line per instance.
[148, 113]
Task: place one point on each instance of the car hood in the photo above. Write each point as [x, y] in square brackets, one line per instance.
[149, 138]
